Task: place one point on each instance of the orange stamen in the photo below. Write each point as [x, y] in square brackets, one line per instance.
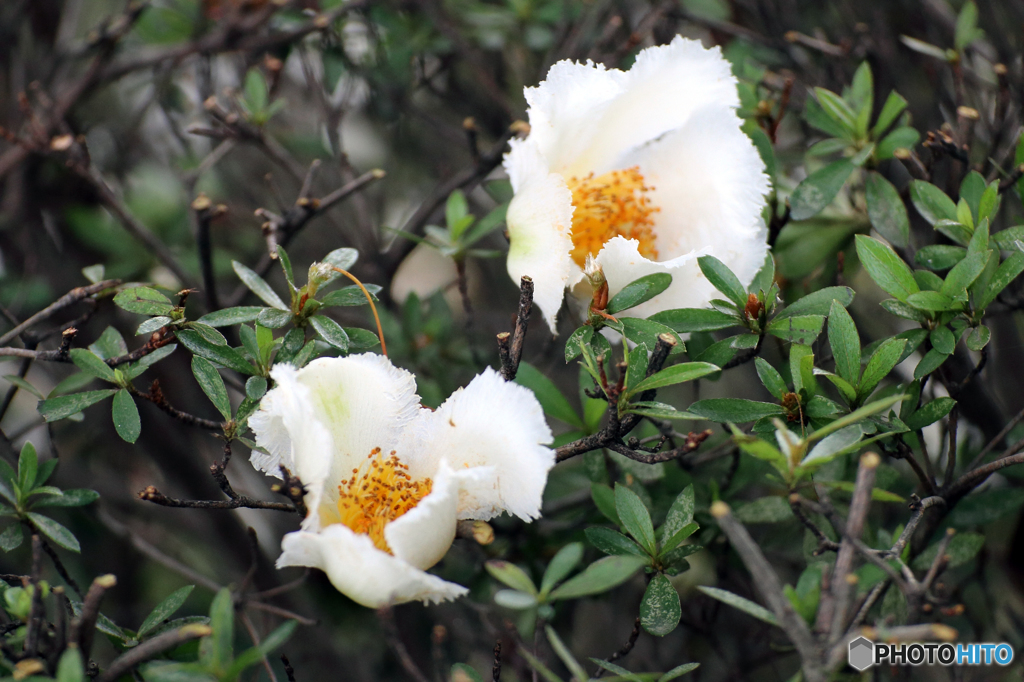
[611, 205]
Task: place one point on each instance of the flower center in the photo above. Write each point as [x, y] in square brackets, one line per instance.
[611, 205]
[379, 491]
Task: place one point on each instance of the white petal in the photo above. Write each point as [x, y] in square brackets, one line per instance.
[496, 424]
[539, 223]
[286, 427]
[565, 107]
[335, 411]
[709, 185]
[422, 536]
[359, 570]
[664, 88]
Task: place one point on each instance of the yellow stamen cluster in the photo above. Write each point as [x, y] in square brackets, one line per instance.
[379, 491]
[611, 205]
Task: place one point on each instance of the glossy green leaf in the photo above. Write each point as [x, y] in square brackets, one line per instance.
[929, 413]
[881, 362]
[802, 329]
[893, 107]
[723, 279]
[600, 576]
[635, 518]
[350, 296]
[53, 530]
[886, 268]
[684, 320]
[818, 189]
[87, 361]
[771, 378]
[612, 542]
[126, 416]
[886, 210]
[676, 374]
[228, 317]
[165, 609]
[931, 202]
[144, 301]
[660, 610]
[741, 603]
[845, 342]
[210, 381]
[258, 286]
[638, 291]
[736, 410]
[330, 331]
[63, 406]
[221, 355]
[561, 565]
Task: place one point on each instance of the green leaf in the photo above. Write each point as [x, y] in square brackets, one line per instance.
[221, 355]
[24, 385]
[91, 363]
[561, 566]
[635, 518]
[962, 548]
[815, 115]
[837, 109]
[964, 273]
[638, 291]
[769, 509]
[771, 378]
[818, 189]
[550, 398]
[646, 332]
[465, 671]
[886, 268]
[619, 671]
[966, 26]
[600, 576]
[942, 340]
[574, 344]
[12, 537]
[660, 610]
[929, 413]
[255, 388]
[723, 279]
[54, 409]
[741, 603]
[931, 202]
[676, 374]
[798, 328]
[511, 575]
[126, 416]
[931, 361]
[56, 532]
[886, 210]
[228, 317]
[165, 609]
[845, 342]
[673, 541]
[833, 445]
[272, 318]
[515, 600]
[881, 362]
[678, 671]
[604, 500]
[330, 331]
[940, 257]
[652, 408]
[110, 344]
[612, 542]
[74, 497]
[893, 107]
[152, 324]
[679, 515]
[210, 381]
[978, 338]
[636, 369]
[144, 301]
[350, 296]
[1008, 271]
[254, 655]
[361, 340]
[931, 301]
[862, 96]
[871, 408]
[684, 320]
[486, 225]
[562, 651]
[819, 302]
[216, 650]
[901, 138]
[28, 465]
[69, 668]
[736, 410]
[258, 286]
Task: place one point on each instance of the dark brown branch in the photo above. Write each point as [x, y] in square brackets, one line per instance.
[151, 494]
[825, 544]
[626, 648]
[83, 628]
[512, 354]
[68, 299]
[152, 648]
[770, 587]
[496, 668]
[156, 396]
[35, 613]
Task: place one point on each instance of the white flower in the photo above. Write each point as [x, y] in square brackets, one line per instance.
[645, 170]
[388, 479]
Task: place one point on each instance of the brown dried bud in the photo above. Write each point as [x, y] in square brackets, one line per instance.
[754, 307]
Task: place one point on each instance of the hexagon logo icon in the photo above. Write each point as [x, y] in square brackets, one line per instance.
[862, 654]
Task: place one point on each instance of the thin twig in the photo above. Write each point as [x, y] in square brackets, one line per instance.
[510, 359]
[151, 494]
[70, 298]
[394, 641]
[152, 648]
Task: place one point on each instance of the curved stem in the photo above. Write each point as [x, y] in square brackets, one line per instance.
[369, 299]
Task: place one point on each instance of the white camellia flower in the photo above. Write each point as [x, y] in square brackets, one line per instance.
[644, 170]
[387, 479]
